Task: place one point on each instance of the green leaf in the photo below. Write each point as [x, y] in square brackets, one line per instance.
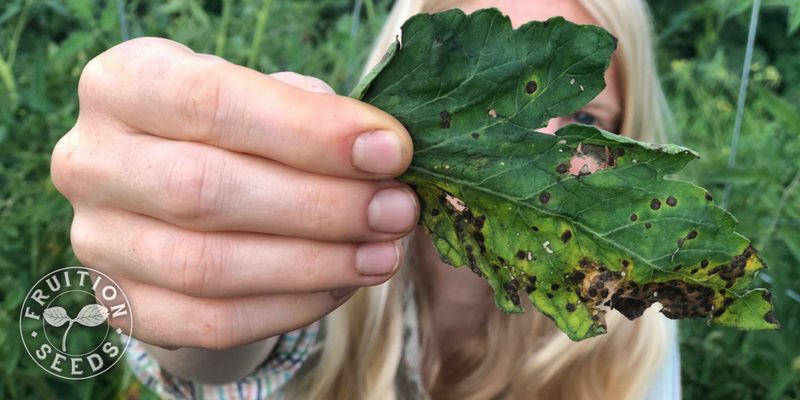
[497, 196]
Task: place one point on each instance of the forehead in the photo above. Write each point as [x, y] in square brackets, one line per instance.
[522, 11]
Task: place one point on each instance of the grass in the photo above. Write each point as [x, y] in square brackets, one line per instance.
[45, 43]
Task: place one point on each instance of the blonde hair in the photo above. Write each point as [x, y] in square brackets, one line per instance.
[516, 356]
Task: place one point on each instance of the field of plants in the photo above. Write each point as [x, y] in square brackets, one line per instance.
[701, 46]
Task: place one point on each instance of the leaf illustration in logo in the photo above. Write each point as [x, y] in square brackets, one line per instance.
[92, 315]
[56, 316]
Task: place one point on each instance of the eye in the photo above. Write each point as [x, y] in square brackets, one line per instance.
[585, 118]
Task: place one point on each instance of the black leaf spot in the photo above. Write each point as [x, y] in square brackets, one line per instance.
[544, 197]
[671, 201]
[445, 119]
[655, 204]
[570, 307]
[531, 87]
[555, 286]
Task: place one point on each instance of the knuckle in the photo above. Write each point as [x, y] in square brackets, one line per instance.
[95, 79]
[312, 266]
[216, 327]
[315, 205]
[203, 104]
[194, 187]
[62, 165]
[198, 260]
[84, 242]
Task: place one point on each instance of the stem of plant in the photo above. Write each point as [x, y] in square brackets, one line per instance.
[222, 32]
[21, 22]
[64, 339]
[258, 34]
[370, 7]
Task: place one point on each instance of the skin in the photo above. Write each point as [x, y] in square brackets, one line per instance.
[205, 189]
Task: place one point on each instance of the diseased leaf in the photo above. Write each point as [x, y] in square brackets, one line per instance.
[56, 316]
[498, 197]
[92, 315]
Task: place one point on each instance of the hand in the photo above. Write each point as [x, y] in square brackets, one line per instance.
[231, 206]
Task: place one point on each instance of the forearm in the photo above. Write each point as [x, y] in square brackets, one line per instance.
[213, 366]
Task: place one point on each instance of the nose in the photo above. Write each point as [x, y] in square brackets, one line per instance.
[553, 125]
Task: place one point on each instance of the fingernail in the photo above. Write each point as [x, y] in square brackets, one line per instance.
[378, 152]
[377, 258]
[343, 292]
[392, 210]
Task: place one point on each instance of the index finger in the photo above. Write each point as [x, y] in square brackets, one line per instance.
[162, 88]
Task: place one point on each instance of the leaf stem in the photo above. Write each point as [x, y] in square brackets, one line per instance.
[258, 34]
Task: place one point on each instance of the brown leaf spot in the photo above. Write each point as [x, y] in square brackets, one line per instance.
[770, 317]
[655, 204]
[446, 119]
[531, 87]
[671, 201]
[544, 197]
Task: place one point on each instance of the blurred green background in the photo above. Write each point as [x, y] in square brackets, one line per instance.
[45, 43]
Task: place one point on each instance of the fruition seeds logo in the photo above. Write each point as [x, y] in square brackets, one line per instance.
[63, 323]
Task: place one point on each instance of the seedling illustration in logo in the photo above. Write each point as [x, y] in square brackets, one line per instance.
[84, 346]
[90, 315]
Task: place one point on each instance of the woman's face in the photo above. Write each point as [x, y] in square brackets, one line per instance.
[605, 110]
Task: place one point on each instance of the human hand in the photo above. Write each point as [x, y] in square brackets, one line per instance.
[229, 205]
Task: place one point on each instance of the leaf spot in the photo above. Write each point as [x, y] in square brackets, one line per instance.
[566, 236]
[634, 217]
[544, 197]
[476, 135]
[531, 87]
[655, 204]
[446, 119]
[672, 201]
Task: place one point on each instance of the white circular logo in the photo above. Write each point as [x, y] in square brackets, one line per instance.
[64, 323]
